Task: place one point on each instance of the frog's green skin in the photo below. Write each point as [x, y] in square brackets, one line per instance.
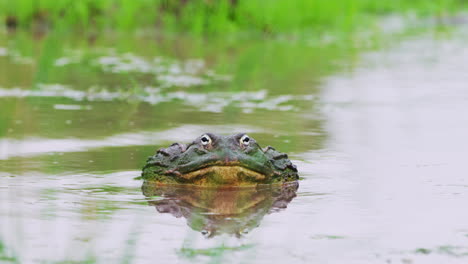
[213, 160]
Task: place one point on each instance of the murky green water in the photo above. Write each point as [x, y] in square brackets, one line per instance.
[379, 138]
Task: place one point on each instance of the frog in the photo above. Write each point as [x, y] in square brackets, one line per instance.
[217, 160]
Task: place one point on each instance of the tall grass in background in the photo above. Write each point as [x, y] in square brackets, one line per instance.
[214, 16]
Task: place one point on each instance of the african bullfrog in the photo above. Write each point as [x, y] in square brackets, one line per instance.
[214, 160]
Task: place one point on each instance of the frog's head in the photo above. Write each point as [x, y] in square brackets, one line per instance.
[217, 160]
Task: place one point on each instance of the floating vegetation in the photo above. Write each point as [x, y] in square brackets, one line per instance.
[209, 102]
[167, 72]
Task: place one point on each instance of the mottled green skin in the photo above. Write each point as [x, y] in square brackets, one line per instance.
[170, 165]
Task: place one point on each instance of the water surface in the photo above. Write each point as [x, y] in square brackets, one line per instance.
[379, 137]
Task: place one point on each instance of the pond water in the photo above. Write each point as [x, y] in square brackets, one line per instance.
[378, 135]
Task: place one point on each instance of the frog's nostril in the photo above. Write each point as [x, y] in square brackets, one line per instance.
[200, 151]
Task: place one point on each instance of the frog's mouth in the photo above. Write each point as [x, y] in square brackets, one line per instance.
[226, 171]
[222, 172]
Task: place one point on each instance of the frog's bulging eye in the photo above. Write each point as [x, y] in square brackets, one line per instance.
[205, 140]
[245, 140]
[206, 233]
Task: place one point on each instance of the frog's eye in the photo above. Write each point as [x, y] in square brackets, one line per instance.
[206, 233]
[245, 140]
[205, 140]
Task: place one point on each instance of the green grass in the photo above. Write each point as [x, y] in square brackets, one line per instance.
[214, 16]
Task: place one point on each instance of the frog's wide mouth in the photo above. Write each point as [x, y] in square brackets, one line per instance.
[250, 169]
[228, 174]
[225, 170]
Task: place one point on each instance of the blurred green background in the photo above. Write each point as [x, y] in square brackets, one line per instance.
[214, 17]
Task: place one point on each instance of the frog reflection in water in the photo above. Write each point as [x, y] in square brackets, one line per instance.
[214, 211]
[213, 160]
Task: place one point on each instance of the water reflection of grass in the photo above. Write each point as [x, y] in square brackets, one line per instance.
[453, 251]
[257, 66]
[89, 260]
[332, 237]
[6, 256]
[211, 252]
[108, 189]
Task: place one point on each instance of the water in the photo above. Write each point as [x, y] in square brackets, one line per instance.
[379, 137]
